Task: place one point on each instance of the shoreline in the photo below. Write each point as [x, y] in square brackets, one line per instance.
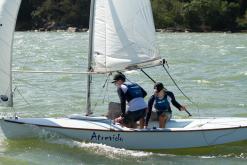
[160, 30]
[157, 30]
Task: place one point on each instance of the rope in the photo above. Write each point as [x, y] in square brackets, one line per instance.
[106, 85]
[102, 92]
[165, 62]
[177, 84]
[148, 76]
[104, 96]
[53, 72]
[21, 95]
[125, 76]
[203, 132]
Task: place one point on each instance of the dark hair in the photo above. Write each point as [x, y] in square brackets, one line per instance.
[158, 86]
[118, 76]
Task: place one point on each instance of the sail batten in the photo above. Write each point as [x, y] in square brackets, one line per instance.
[8, 14]
[124, 34]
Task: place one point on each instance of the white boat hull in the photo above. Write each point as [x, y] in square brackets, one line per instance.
[180, 133]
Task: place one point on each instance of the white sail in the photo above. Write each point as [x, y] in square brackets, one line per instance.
[123, 35]
[8, 13]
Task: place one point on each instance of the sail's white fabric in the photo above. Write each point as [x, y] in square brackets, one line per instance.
[8, 14]
[123, 34]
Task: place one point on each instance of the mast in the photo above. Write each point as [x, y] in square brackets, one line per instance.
[90, 53]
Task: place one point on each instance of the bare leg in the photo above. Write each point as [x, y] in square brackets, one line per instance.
[162, 121]
[120, 120]
[142, 121]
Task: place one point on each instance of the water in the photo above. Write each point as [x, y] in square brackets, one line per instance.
[210, 68]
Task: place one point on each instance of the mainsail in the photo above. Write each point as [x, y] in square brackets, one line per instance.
[123, 35]
[8, 13]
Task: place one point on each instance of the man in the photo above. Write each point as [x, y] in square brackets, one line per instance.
[134, 95]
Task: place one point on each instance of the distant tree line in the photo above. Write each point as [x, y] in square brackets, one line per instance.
[194, 15]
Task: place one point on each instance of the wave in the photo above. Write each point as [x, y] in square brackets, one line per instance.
[244, 73]
[67, 151]
[233, 150]
[104, 150]
[240, 47]
[202, 81]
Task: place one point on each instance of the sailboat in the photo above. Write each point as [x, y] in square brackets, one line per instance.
[122, 37]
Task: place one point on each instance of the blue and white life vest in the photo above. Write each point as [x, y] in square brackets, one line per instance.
[162, 104]
[133, 91]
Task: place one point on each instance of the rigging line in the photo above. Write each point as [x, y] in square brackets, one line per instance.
[148, 76]
[54, 72]
[107, 79]
[16, 89]
[15, 113]
[102, 92]
[164, 62]
[30, 84]
[177, 84]
[124, 76]
[106, 92]
[58, 72]
[27, 57]
[106, 89]
[203, 133]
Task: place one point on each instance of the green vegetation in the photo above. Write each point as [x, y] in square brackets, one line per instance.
[194, 15]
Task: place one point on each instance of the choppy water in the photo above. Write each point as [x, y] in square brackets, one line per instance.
[211, 68]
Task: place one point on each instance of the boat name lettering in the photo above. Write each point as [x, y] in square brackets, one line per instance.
[99, 137]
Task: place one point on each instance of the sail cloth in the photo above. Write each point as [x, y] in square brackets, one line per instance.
[123, 35]
[8, 13]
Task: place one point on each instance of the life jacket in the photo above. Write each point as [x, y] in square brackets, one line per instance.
[162, 104]
[133, 91]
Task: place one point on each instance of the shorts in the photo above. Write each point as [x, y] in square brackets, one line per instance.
[134, 116]
[164, 113]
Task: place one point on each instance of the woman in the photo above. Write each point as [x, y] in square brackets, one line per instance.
[161, 100]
